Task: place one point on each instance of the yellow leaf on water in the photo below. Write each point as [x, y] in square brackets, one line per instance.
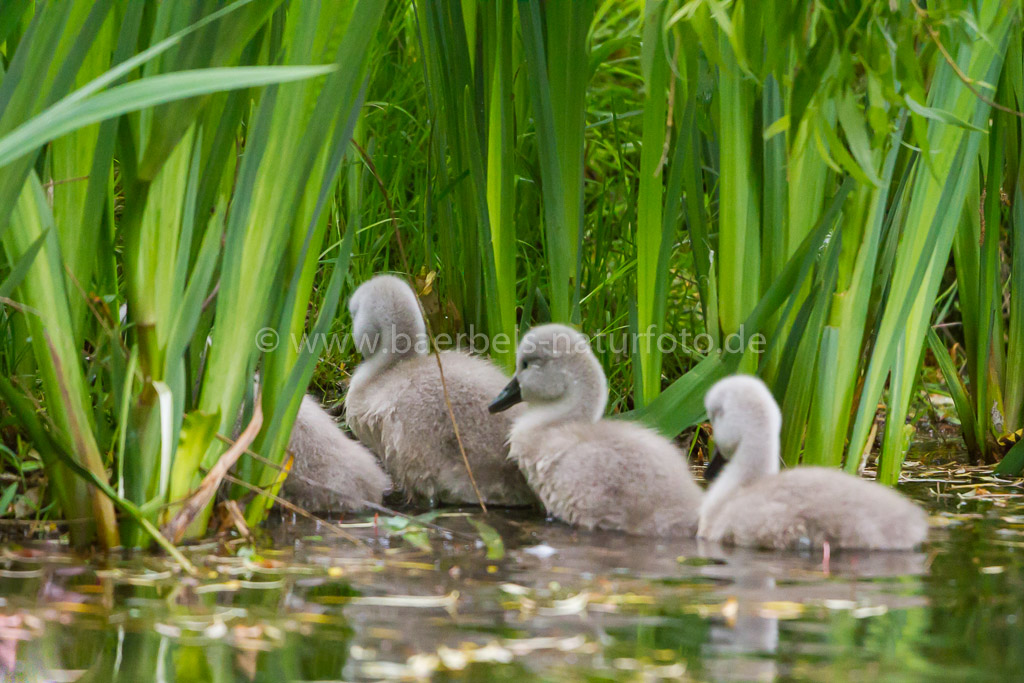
[79, 607]
[781, 609]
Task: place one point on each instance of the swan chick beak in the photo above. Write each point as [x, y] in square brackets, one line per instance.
[508, 397]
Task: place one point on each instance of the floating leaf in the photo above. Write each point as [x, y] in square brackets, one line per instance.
[491, 538]
[419, 539]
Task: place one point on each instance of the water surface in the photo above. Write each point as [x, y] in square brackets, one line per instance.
[557, 604]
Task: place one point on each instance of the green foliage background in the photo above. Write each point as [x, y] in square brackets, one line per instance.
[175, 177]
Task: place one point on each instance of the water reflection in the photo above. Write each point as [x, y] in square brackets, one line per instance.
[560, 605]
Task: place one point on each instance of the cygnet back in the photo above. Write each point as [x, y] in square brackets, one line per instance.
[330, 471]
[396, 406]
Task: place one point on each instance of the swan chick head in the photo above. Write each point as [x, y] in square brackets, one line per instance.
[386, 318]
[555, 368]
[741, 407]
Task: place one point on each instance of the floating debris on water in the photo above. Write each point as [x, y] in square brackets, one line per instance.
[510, 595]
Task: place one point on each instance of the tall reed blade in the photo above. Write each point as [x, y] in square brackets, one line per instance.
[935, 204]
[45, 302]
[558, 71]
[651, 242]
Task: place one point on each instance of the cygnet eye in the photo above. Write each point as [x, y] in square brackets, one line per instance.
[524, 364]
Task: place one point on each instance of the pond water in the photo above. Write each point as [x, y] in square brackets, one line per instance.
[555, 605]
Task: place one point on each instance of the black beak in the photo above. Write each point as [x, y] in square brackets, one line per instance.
[714, 466]
[508, 397]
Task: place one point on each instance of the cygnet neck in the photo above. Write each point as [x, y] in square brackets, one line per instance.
[392, 343]
[755, 456]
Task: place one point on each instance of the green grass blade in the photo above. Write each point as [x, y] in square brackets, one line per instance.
[21, 267]
[957, 391]
[651, 247]
[141, 94]
[681, 405]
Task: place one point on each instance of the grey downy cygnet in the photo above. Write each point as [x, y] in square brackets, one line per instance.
[590, 472]
[329, 470]
[396, 405]
[752, 503]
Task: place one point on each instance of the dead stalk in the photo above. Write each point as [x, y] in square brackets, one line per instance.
[292, 507]
[198, 499]
[953, 65]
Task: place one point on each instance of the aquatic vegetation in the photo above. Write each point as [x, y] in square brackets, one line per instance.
[173, 247]
[188, 190]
